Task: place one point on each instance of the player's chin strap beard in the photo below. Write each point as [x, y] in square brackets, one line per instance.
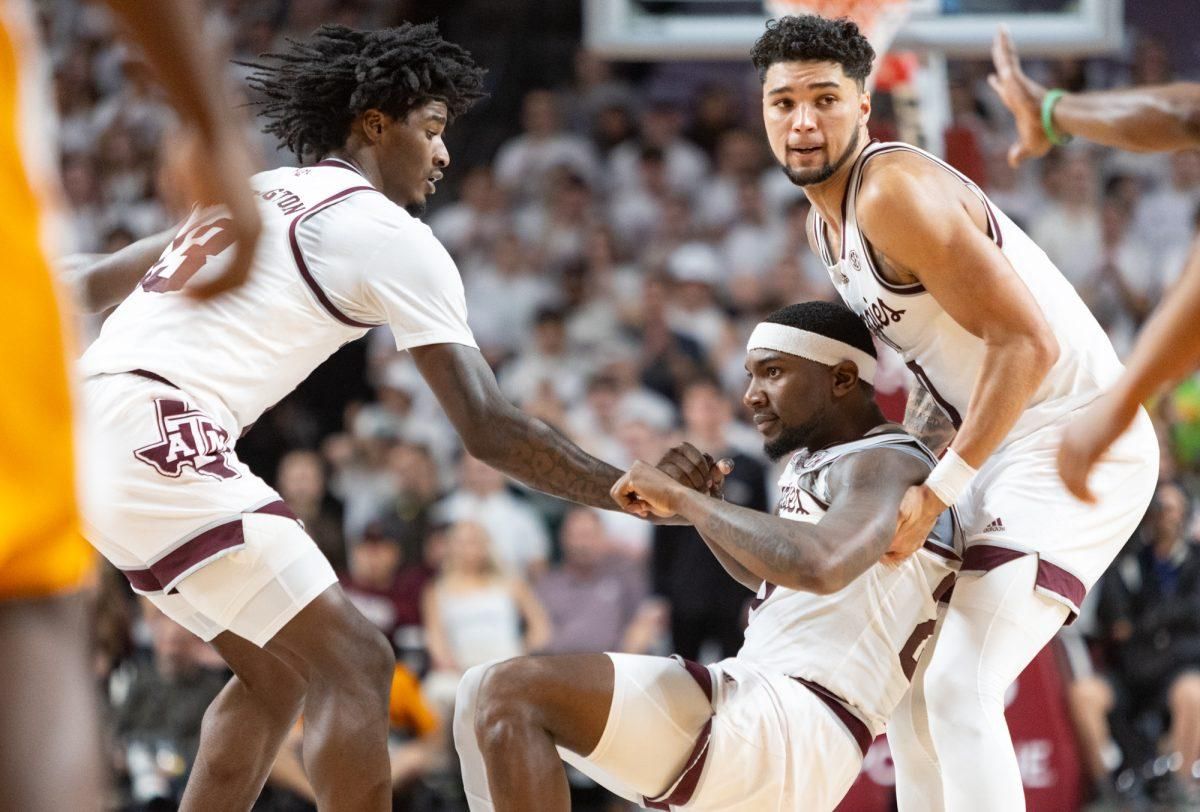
[826, 172]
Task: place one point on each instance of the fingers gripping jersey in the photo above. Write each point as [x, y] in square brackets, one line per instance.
[862, 642]
[940, 352]
[335, 258]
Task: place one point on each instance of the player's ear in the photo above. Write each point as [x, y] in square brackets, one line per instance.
[845, 378]
[374, 122]
[864, 106]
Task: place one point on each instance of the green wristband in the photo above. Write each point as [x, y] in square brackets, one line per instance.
[1048, 101]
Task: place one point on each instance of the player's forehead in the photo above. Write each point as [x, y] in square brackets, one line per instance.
[430, 110]
[761, 357]
[804, 76]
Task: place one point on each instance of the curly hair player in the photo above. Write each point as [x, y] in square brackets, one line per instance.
[833, 639]
[173, 381]
[1006, 354]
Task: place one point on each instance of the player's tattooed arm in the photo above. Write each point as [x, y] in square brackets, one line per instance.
[821, 558]
[926, 420]
[509, 440]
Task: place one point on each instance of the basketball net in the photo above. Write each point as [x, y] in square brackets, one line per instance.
[879, 20]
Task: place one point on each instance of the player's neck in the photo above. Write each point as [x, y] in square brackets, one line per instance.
[363, 161]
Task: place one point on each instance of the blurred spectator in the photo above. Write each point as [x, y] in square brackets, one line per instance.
[685, 164]
[1149, 614]
[1068, 227]
[524, 162]
[716, 112]
[508, 276]
[1164, 217]
[470, 226]
[706, 605]
[692, 309]
[159, 706]
[387, 596]
[301, 482]
[1122, 290]
[474, 612]
[546, 359]
[516, 539]
[594, 597]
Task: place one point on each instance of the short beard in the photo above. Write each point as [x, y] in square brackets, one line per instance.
[791, 439]
[807, 177]
[416, 209]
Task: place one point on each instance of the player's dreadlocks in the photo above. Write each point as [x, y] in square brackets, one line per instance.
[314, 91]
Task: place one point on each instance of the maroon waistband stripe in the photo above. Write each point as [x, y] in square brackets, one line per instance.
[1050, 577]
[685, 787]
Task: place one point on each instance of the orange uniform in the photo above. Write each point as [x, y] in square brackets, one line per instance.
[41, 549]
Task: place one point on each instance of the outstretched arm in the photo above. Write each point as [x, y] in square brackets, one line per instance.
[1143, 119]
[1167, 349]
[169, 34]
[500, 434]
[867, 489]
[103, 280]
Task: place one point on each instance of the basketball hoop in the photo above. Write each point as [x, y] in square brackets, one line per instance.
[879, 20]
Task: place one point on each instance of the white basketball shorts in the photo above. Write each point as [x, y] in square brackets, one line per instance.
[166, 500]
[762, 742]
[1017, 505]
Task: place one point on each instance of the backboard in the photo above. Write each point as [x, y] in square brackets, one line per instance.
[725, 29]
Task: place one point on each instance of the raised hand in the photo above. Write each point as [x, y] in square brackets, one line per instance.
[688, 466]
[1022, 96]
[919, 510]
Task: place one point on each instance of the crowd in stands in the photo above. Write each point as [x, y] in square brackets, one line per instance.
[615, 252]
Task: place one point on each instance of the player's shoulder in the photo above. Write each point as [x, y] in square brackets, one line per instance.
[888, 454]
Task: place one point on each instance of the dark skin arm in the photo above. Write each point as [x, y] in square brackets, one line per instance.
[218, 160]
[509, 440]
[1141, 119]
[821, 558]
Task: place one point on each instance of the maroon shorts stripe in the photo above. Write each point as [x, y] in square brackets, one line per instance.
[700, 674]
[685, 786]
[1050, 577]
[213, 541]
[298, 255]
[943, 552]
[857, 727]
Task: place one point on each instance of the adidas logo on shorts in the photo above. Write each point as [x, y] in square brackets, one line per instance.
[996, 526]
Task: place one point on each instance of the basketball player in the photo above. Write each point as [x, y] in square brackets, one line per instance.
[173, 382]
[834, 635]
[1143, 119]
[48, 739]
[1008, 352]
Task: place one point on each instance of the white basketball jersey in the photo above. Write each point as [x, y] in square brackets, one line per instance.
[862, 642]
[944, 356]
[335, 258]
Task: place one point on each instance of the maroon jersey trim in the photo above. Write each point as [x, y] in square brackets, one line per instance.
[302, 266]
[340, 164]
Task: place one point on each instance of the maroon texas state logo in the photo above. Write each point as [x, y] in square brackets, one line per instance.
[187, 439]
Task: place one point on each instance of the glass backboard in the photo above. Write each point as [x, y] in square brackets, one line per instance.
[725, 29]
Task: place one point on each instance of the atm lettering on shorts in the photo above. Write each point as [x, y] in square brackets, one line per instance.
[187, 439]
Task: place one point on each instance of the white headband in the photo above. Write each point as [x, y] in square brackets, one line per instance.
[768, 335]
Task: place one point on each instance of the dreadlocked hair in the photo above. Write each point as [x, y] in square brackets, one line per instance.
[314, 91]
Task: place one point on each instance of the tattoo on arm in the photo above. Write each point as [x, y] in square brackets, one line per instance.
[533, 452]
[926, 420]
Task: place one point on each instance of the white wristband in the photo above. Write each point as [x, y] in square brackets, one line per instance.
[950, 477]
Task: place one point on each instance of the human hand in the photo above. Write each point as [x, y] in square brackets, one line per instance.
[215, 169]
[1088, 436]
[919, 510]
[685, 464]
[1022, 96]
[645, 490]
